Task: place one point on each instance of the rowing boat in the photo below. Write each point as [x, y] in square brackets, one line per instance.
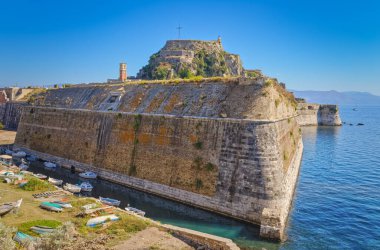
[101, 219]
[51, 206]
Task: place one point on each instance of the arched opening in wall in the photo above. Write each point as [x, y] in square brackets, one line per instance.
[310, 107]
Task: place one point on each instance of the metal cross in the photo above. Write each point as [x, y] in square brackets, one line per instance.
[179, 31]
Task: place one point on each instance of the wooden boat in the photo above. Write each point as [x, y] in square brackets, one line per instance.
[42, 229]
[49, 165]
[22, 238]
[72, 188]
[88, 175]
[63, 204]
[109, 201]
[101, 219]
[9, 206]
[135, 210]
[86, 186]
[51, 206]
[40, 176]
[55, 181]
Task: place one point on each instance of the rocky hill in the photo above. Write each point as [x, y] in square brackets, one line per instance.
[187, 58]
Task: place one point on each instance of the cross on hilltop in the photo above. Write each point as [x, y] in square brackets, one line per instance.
[179, 31]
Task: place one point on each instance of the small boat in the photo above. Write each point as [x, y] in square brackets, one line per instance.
[72, 188]
[55, 181]
[23, 166]
[42, 229]
[101, 219]
[22, 238]
[7, 174]
[109, 201]
[40, 176]
[86, 186]
[135, 210]
[19, 154]
[7, 180]
[63, 204]
[51, 206]
[88, 175]
[7, 207]
[49, 165]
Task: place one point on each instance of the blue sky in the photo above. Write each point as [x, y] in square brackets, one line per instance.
[314, 44]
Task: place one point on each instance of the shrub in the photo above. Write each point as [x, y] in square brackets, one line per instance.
[198, 184]
[198, 145]
[276, 102]
[6, 237]
[59, 239]
[1, 126]
[35, 184]
[25, 227]
[185, 73]
[198, 162]
[132, 170]
[209, 166]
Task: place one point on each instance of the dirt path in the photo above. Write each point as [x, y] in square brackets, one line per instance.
[152, 238]
[7, 137]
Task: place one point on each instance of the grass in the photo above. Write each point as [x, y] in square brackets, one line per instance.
[35, 184]
[25, 227]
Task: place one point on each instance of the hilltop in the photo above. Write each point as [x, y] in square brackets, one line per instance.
[187, 58]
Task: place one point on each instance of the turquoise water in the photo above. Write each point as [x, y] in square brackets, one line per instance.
[336, 204]
[337, 201]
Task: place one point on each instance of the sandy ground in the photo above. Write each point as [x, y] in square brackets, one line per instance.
[152, 238]
[7, 137]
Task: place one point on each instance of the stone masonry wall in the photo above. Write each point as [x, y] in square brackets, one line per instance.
[10, 113]
[230, 166]
[316, 114]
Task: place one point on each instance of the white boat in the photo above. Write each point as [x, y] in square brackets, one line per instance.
[109, 201]
[55, 181]
[49, 165]
[23, 166]
[51, 206]
[72, 188]
[88, 175]
[86, 186]
[101, 219]
[40, 176]
[19, 154]
[135, 210]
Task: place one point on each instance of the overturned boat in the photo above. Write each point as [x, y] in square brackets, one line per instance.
[72, 188]
[101, 219]
[135, 210]
[56, 182]
[23, 238]
[42, 229]
[110, 201]
[51, 206]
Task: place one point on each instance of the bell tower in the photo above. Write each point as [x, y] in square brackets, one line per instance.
[123, 72]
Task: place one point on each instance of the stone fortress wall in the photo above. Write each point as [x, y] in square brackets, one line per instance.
[311, 114]
[230, 147]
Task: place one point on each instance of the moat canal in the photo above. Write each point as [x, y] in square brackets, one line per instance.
[336, 204]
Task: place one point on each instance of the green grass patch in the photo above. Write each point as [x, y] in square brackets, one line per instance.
[35, 184]
[25, 227]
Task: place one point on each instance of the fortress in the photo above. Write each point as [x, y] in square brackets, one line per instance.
[230, 144]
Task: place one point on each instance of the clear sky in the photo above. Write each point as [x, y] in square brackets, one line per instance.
[308, 44]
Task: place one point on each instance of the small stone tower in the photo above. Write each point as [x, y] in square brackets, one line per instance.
[123, 72]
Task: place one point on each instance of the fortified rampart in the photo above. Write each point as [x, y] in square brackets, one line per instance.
[318, 114]
[230, 147]
[10, 113]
